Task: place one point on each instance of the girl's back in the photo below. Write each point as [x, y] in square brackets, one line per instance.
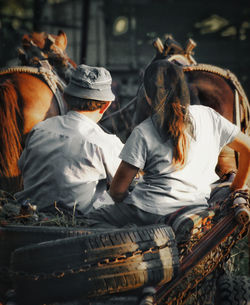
[164, 187]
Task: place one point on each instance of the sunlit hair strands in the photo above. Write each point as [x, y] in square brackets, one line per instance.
[165, 86]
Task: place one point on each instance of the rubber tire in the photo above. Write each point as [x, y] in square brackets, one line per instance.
[91, 253]
[16, 236]
[233, 290]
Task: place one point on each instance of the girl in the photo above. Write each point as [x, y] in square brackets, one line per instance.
[177, 148]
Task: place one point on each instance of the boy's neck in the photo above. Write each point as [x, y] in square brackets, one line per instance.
[93, 115]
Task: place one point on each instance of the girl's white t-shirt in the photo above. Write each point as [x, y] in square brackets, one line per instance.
[163, 189]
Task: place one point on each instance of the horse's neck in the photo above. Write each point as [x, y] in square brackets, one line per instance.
[47, 74]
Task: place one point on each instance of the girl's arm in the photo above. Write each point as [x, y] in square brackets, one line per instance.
[121, 181]
[241, 144]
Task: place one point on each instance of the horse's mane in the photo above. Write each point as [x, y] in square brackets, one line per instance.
[10, 119]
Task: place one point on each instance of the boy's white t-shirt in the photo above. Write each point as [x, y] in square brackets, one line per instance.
[163, 189]
[68, 159]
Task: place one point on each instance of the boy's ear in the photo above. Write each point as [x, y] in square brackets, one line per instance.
[104, 107]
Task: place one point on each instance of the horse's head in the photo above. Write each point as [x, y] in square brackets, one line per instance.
[173, 51]
[170, 50]
[40, 39]
[39, 46]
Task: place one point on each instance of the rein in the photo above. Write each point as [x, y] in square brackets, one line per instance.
[120, 110]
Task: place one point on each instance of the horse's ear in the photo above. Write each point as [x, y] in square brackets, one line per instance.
[61, 40]
[25, 39]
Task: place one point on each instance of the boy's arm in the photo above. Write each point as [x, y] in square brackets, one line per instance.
[111, 160]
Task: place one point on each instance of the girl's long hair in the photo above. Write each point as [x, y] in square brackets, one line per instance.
[165, 85]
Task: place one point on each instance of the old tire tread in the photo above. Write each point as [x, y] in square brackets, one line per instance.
[233, 290]
[123, 275]
[16, 236]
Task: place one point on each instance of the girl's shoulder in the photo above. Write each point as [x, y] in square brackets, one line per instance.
[146, 130]
[144, 125]
[199, 109]
[201, 112]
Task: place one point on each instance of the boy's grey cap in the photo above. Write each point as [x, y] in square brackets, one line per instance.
[91, 83]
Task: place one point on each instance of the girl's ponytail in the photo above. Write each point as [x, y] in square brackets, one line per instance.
[168, 91]
[176, 125]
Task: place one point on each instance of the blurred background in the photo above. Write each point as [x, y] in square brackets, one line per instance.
[118, 34]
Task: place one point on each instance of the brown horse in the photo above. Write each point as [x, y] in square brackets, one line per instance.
[29, 95]
[210, 86]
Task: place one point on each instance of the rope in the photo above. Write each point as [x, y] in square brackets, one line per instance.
[44, 72]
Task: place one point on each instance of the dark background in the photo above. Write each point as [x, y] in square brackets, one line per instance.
[220, 28]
